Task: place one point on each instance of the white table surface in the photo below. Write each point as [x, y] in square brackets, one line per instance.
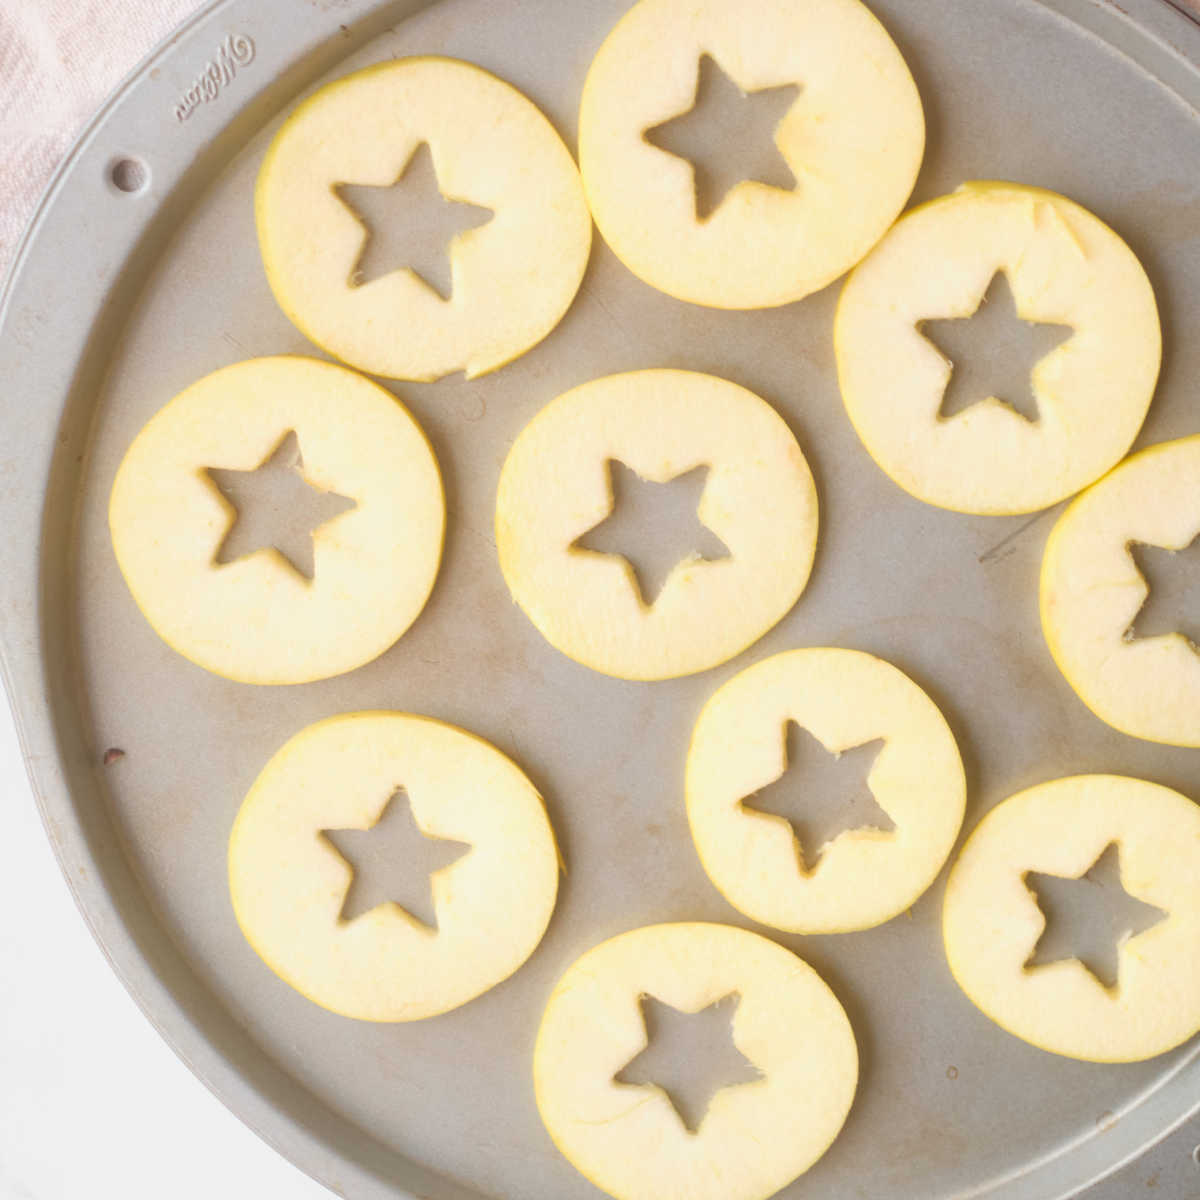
[93, 1103]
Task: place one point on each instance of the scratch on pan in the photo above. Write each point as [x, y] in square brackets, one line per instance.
[608, 312]
[1002, 548]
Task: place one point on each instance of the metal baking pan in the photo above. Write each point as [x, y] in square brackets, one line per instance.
[119, 299]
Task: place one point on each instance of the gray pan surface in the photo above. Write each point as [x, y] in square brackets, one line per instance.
[118, 300]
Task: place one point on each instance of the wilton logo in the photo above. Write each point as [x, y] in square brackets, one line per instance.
[237, 50]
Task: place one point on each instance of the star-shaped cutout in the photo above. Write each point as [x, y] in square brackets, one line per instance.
[1172, 603]
[409, 224]
[689, 1056]
[276, 508]
[394, 862]
[1089, 918]
[653, 527]
[742, 124]
[992, 353]
[821, 795]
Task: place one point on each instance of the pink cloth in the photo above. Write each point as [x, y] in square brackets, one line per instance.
[58, 61]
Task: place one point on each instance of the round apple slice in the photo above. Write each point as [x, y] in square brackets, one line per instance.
[515, 264]
[737, 766]
[756, 1135]
[290, 867]
[1092, 593]
[1064, 268]
[992, 921]
[556, 488]
[260, 616]
[851, 141]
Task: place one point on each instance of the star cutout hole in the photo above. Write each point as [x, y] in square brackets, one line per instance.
[653, 527]
[727, 136]
[992, 353]
[409, 224]
[1172, 604]
[821, 795]
[393, 863]
[1089, 918]
[689, 1056]
[275, 508]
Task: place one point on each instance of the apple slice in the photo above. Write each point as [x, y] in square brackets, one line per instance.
[513, 277]
[1091, 591]
[755, 1137]
[1064, 267]
[852, 139]
[288, 883]
[992, 921]
[865, 876]
[257, 619]
[555, 487]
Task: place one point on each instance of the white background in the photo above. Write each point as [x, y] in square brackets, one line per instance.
[93, 1104]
